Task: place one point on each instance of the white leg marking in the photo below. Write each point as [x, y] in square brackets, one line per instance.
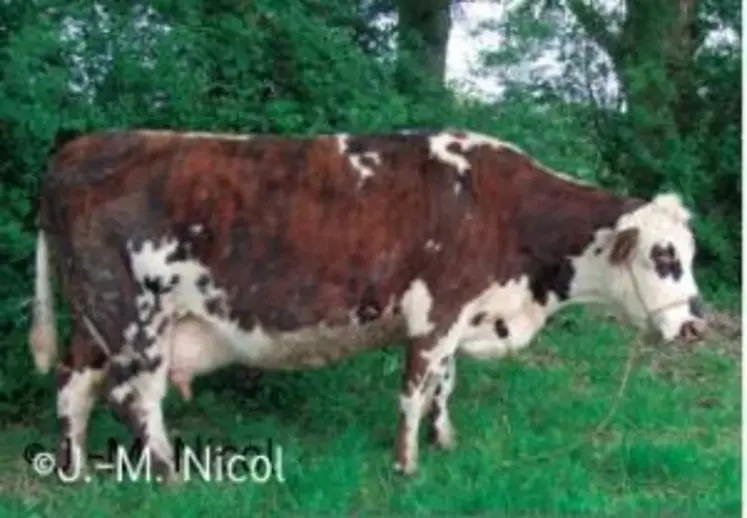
[417, 395]
[75, 401]
[442, 426]
[149, 390]
[412, 408]
[120, 392]
[416, 306]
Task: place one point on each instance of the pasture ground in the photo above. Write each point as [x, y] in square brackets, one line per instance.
[671, 449]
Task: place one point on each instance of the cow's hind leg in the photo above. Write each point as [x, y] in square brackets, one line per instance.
[78, 378]
[130, 318]
[135, 391]
[441, 428]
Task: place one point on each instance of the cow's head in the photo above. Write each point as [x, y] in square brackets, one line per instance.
[650, 265]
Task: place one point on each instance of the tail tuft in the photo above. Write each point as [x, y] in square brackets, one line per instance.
[43, 336]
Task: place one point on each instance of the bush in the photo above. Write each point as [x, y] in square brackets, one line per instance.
[265, 66]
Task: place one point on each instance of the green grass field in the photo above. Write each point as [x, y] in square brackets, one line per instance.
[672, 448]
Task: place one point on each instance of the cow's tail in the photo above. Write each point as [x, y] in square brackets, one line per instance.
[43, 336]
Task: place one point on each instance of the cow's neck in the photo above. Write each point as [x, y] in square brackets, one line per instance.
[573, 245]
[589, 282]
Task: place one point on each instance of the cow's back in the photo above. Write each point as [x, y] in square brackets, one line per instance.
[271, 233]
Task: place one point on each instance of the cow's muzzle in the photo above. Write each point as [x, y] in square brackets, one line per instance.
[692, 331]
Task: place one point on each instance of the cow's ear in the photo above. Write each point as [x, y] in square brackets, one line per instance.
[623, 245]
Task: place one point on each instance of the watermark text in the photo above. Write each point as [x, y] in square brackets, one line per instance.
[203, 459]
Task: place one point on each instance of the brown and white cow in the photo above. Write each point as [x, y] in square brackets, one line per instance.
[183, 253]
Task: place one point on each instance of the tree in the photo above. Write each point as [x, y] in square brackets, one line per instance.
[276, 66]
[673, 115]
[423, 35]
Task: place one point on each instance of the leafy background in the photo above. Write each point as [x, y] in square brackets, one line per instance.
[312, 66]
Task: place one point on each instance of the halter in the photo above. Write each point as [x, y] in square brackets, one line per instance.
[652, 313]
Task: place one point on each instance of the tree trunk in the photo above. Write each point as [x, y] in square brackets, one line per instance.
[423, 29]
[653, 56]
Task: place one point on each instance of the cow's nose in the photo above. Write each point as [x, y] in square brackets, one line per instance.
[696, 307]
[692, 330]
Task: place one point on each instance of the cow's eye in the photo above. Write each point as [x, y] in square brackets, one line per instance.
[663, 254]
[665, 262]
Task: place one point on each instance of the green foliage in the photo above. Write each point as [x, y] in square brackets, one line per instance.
[305, 66]
[661, 99]
[267, 66]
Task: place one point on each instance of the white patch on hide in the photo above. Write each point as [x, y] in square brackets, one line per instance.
[342, 143]
[356, 159]
[200, 341]
[416, 307]
[433, 246]
[440, 142]
[439, 147]
[511, 302]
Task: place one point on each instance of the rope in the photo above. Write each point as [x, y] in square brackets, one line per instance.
[564, 450]
[605, 421]
[635, 345]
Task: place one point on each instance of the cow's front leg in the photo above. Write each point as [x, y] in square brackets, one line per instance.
[411, 408]
[426, 367]
[441, 428]
[435, 335]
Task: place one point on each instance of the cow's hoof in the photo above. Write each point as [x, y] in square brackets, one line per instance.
[446, 442]
[171, 479]
[165, 475]
[407, 470]
[443, 437]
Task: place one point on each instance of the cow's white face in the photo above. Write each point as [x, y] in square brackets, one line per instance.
[651, 270]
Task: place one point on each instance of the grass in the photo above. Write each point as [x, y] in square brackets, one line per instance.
[672, 448]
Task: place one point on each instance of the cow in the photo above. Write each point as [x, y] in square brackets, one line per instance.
[182, 253]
